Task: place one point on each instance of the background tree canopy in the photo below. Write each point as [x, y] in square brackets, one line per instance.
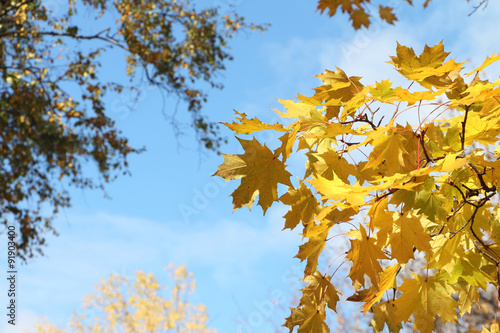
[138, 304]
[53, 118]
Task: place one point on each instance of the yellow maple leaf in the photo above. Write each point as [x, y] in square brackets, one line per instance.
[248, 126]
[295, 109]
[260, 172]
[408, 232]
[336, 189]
[388, 149]
[364, 255]
[384, 313]
[387, 281]
[321, 289]
[486, 63]
[426, 297]
[303, 206]
[311, 251]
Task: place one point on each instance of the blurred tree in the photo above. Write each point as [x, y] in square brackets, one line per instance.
[53, 119]
[138, 306]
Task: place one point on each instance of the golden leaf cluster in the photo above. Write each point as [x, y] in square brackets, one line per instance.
[138, 305]
[428, 188]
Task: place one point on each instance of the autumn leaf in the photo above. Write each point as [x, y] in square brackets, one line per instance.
[486, 63]
[309, 320]
[295, 109]
[303, 206]
[364, 255]
[321, 289]
[389, 149]
[385, 313]
[425, 187]
[426, 298]
[428, 69]
[311, 251]
[260, 172]
[408, 232]
[467, 267]
[386, 14]
[337, 190]
[360, 18]
[387, 281]
[249, 126]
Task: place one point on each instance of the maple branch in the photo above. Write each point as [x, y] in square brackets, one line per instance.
[481, 203]
[422, 143]
[427, 157]
[459, 190]
[471, 219]
[363, 119]
[389, 192]
[486, 254]
[483, 2]
[481, 179]
[380, 121]
[462, 204]
[462, 136]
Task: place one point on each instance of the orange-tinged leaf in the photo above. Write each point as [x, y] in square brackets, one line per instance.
[309, 320]
[334, 77]
[428, 68]
[360, 18]
[260, 172]
[386, 14]
[314, 324]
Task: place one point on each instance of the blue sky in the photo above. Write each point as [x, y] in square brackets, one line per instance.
[172, 210]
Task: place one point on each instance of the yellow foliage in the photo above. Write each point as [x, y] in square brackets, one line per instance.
[408, 189]
[138, 305]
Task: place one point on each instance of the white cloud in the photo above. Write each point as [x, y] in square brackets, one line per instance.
[225, 253]
[25, 320]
